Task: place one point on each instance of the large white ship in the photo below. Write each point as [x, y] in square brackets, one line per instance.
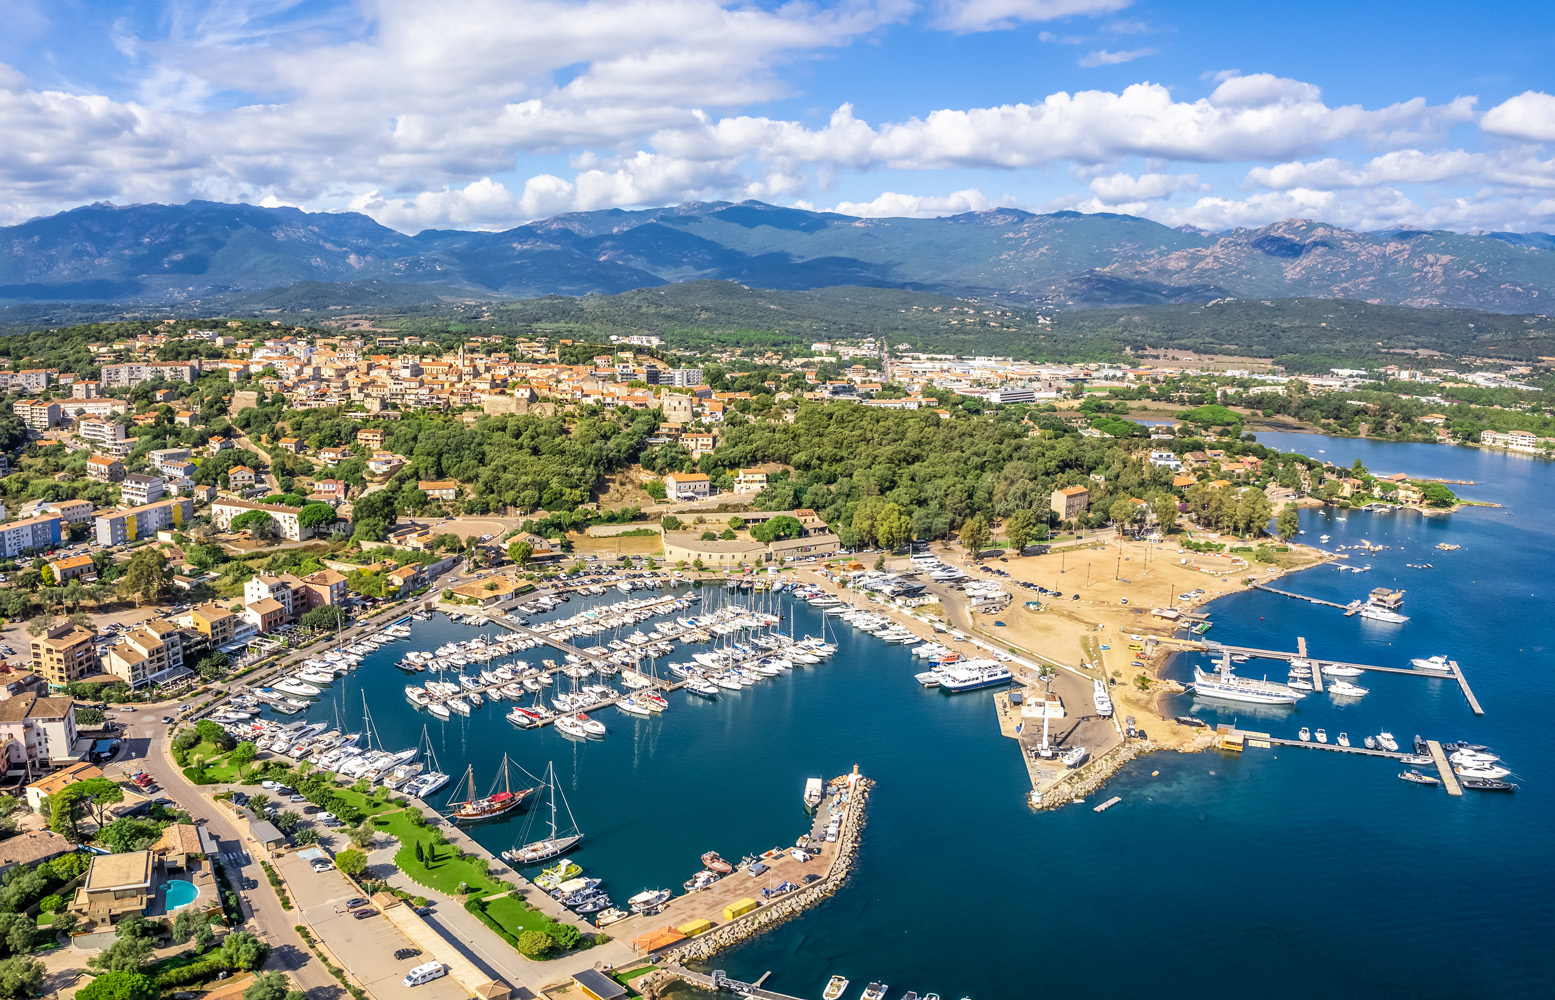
[973, 675]
[1376, 614]
[1223, 685]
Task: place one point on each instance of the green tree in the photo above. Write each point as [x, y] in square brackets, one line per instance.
[1287, 524]
[18, 930]
[243, 950]
[1165, 505]
[352, 862]
[535, 944]
[669, 522]
[269, 986]
[324, 618]
[20, 977]
[243, 755]
[306, 835]
[146, 577]
[249, 520]
[315, 514]
[520, 552]
[1019, 528]
[974, 536]
[127, 954]
[893, 529]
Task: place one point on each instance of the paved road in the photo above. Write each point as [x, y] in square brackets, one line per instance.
[147, 745]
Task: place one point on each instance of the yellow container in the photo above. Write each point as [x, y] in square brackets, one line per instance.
[695, 927]
[739, 908]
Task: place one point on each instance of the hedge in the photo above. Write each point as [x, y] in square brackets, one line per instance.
[195, 972]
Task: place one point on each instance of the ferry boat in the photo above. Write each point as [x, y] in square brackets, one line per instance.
[973, 675]
[835, 988]
[495, 803]
[1223, 685]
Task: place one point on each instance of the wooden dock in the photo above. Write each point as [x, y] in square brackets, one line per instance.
[1444, 768]
[1314, 745]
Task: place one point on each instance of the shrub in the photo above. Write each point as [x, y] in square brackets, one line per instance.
[535, 944]
[195, 972]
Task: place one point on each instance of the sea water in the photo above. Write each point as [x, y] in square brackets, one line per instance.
[1286, 873]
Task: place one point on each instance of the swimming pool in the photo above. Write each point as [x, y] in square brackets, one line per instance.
[179, 894]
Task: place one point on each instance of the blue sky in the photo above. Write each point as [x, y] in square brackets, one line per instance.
[490, 113]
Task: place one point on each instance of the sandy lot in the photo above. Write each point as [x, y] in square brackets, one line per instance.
[1118, 583]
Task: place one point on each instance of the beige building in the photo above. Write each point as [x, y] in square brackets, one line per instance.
[715, 552]
[687, 486]
[116, 885]
[285, 518]
[1070, 502]
[36, 734]
[64, 654]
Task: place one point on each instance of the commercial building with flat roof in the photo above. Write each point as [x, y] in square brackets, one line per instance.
[33, 534]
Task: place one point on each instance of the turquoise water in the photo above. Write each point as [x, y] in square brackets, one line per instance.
[1290, 874]
[179, 893]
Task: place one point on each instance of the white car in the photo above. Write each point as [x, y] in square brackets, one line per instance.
[320, 865]
[271, 785]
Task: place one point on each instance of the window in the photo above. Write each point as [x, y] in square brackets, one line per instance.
[125, 893]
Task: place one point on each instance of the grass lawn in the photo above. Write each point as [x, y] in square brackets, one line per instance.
[446, 872]
[625, 976]
[516, 916]
[368, 805]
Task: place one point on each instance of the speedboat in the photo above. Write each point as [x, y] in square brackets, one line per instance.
[649, 900]
[1339, 670]
[1438, 663]
[835, 988]
[1386, 741]
[1344, 739]
[874, 991]
[1344, 689]
[1417, 759]
[1488, 785]
[1418, 778]
[610, 916]
[1322, 735]
[1305, 735]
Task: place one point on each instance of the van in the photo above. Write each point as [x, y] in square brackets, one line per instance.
[424, 974]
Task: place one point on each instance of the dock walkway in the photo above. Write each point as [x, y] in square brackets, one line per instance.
[1453, 673]
[1348, 609]
[1443, 768]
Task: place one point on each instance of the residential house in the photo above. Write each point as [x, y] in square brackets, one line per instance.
[266, 616]
[687, 486]
[403, 580]
[38, 792]
[384, 463]
[334, 456]
[330, 490]
[439, 489]
[290, 444]
[217, 445]
[32, 848]
[240, 477]
[370, 438]
[750, 481]
[116, 886]
[71, 568]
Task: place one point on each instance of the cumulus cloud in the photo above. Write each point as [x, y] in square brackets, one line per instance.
[1122, 188]
[996, 15]
[1529, 116]
[1410, 166]
[892, 205]
[1104, 57]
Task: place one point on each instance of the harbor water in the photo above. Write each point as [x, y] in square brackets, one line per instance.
[1290, 873]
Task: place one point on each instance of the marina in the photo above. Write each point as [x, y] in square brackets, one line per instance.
[1453, 671]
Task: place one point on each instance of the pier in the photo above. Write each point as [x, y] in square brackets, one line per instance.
[1453, 673]
[1444, 768]
[1348, 609]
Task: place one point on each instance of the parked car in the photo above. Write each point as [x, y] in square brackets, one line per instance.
[321, 865]
[364, 914]
[404, 953]
[270, 785]
[352, 904]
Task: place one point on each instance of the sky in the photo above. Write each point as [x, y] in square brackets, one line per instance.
[485, 114]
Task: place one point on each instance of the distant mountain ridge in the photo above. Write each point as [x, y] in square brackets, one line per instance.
[205, 251]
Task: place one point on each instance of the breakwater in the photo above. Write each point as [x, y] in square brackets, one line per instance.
[704, 946]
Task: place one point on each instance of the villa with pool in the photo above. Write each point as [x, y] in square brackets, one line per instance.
[174, 873]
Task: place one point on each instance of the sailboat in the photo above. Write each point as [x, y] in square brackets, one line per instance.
[495, 803]
[427, 782]
[556, 842]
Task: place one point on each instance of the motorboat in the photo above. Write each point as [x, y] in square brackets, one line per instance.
[649, 900]
[1386, 741]
[1344, 689]
[610, 916]
[713, 863]
[1487, 785]
[835, 988]
[1305, 735]
[1436, 663]
[1343, 740]
[1321, 735]
[1416, 759]
[1340, 670]
[1493, 772]
[1418, 778]
[874, 991]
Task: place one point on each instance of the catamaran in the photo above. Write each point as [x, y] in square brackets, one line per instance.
[556, 842]
[495, 803]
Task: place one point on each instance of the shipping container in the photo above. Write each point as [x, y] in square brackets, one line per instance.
[739, 908]
[695, 927]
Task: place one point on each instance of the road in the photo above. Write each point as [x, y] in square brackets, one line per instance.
[241, 440]
[146, 744]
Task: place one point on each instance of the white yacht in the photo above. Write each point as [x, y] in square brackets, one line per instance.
[1344, 689]
[1376, 614]
[1431, 663]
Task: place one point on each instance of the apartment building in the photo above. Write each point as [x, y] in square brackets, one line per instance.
[99, 430]
[119, 527]
[439, 489]
[64, 654]
[165, 460]
[85, 389]
[37, 734]
[321, 588]
[104, 407]
[136, 372]
[138, 489]
[151, 653]
[224, 510]
[71, 568]
[282, 589]
[104, 469]
[37, 414]
[687, 486]
[32, 534]
[1070, 502]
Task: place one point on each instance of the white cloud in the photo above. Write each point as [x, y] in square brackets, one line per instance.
[1511, 168]
[1123, 188]
[996, 15]
[1529, 116]
[892, 205]
[1104, 57]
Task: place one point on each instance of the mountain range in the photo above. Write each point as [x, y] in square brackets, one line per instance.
[207, 252]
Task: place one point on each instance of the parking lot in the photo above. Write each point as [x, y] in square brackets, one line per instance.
[366, 946]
